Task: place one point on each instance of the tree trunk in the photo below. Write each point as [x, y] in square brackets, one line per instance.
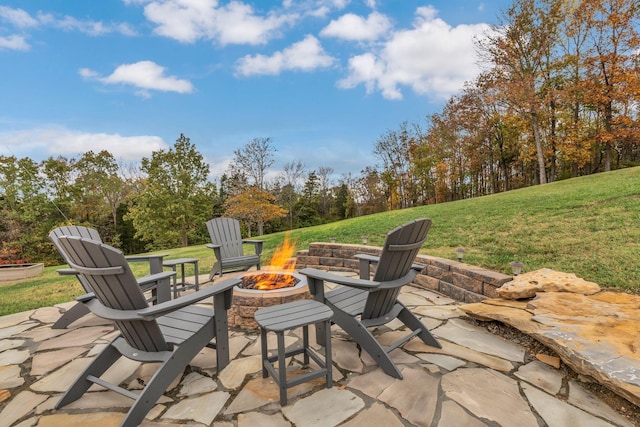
[539, 153]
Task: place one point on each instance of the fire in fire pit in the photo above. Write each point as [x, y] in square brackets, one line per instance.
[268, 281]
[283, 262]
[277, 283]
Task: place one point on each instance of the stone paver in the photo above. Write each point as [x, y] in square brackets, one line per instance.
[325, 408]
[475, 380]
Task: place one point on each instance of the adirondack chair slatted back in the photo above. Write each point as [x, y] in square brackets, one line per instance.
[74, 230]
[110, 277]
[226, 233]
[398, 255]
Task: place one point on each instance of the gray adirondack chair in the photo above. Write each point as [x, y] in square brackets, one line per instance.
[171, 333]
[226, 242]
[363, 303]
[157, 282]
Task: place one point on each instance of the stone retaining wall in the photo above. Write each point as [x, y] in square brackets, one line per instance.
[460, 281]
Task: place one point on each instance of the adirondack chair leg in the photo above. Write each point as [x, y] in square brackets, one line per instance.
[222, 332]
[99, 366]
[216, 269]
[366, 340]
[409, 319]
[165, 375]
[70, 316]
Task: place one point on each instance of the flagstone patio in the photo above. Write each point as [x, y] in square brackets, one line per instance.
[476, 379]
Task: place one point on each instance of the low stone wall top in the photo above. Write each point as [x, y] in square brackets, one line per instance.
[460, 281]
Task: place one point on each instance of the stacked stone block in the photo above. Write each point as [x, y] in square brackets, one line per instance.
[457, 280]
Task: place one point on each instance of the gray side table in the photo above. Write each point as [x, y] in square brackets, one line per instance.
[174, 263]
[283, 317]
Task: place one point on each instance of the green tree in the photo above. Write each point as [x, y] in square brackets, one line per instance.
[177, 199]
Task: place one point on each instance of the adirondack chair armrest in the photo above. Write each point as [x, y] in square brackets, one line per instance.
[67, 272]
[100, 310]
[367, 257]
[256, 243]
[155, 278]
[217, 252]
[141, 258]
[325, 276]
[365, 263]
[225, 288]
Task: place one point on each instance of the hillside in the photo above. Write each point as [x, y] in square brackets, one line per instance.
[589, 226]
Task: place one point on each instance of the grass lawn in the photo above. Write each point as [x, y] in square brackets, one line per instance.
[589, 226]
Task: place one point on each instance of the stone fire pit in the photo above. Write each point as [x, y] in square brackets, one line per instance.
[247, 301]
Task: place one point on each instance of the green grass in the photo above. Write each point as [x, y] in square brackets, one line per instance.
[589, 226]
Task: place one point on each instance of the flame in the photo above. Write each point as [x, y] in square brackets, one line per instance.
[281, 262]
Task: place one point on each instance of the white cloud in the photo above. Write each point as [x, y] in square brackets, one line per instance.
[356, 28]
[22, 19]
[14, 42]
[92, 28]
[431, 58]
[233, 23]
[145, 75]
[17, 17]
[39, 144]
[305, 55]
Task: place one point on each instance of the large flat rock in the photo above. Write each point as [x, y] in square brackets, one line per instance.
[596, 335]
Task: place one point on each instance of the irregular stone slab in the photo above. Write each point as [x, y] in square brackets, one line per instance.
[412, 300]
[440, 312]
[4, 394]
[13, 320]
[541, 376]
[233, 375]
[556, 413]
[118, 372]
[372, 383]
[460, 352]
[328, 407]
[143, 376]
[21, 405]
[10, 344]
[479, 339]
[61, 379]
[30, 422]
[262, 391]
[13, 357]
[205, 360]
[46, 315]
[253, 419]
[415, 397]
[545, 280]
[194, 383]
[102, 399]
[398, 356]
[346, 355]
[435, 298]
[595, 335]
[490, 395]
[553, 361]
[82, 420]
[453, 415]
[75, 338]
[376, 415]
[14, 330]
[201, 409]
[447, 362]
[41, 334]
[43, 363]
[587, 401]
[10, 376]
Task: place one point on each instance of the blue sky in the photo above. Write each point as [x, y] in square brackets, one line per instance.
[322, 78]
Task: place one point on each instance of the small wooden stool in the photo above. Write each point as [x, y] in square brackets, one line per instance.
[281, 318]
[173, 263]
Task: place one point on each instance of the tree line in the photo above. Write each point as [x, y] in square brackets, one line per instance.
[557, 98]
